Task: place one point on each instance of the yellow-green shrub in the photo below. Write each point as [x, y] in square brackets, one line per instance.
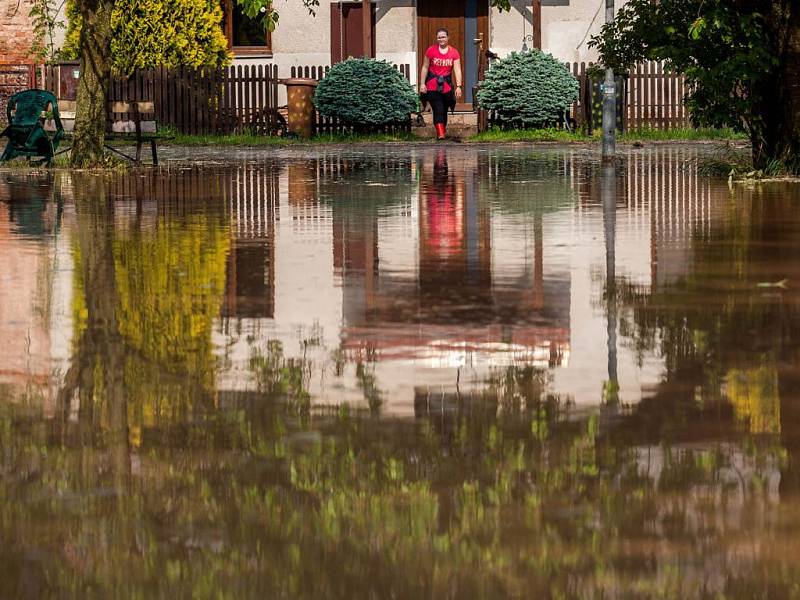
[159, 32]
[72, 39]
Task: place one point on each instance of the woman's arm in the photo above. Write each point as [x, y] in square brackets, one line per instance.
[457, 76]
[423, 74]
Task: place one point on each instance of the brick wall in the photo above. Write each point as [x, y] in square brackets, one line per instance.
[16, 30]
[16, 39]
[14, 78]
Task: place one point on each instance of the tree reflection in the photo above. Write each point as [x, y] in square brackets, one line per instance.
[728, 344]
[145, 299]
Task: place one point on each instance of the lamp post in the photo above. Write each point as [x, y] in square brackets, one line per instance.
[609, 101]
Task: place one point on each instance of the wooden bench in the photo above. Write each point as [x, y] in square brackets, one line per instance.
[138, 126]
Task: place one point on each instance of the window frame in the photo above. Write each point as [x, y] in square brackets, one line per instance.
[266, 50]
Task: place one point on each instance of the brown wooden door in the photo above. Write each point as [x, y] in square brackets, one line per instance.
[347, 31]
[463, 19]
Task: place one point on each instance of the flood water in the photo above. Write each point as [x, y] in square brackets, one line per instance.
[430, 373]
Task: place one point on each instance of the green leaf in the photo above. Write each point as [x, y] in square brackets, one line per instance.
[697, 28]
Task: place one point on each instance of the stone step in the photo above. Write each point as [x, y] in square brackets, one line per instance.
[459, 125]
[469, 119]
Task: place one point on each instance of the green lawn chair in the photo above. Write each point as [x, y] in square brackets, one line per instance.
[26, 133]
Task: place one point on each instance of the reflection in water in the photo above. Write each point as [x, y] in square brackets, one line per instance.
[608, 187]
[193, 362]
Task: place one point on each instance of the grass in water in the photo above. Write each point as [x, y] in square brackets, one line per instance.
[640, 135]
[23, 164]
[737, 165]
[246, 139]
[529, 135]
[684, 133]
[61, 161]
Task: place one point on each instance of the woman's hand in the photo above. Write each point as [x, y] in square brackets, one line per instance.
[458, 92]
[423, 89]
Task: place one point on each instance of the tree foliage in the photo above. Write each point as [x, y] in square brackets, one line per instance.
[167, 32]
[71, 48]
[737, 58]
[44, 18]
[264, 10]
[367, 92]
[151, 33]
[158, 32]
[528, 89]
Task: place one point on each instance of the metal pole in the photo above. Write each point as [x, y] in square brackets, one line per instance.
[609, 101]
[608, 194]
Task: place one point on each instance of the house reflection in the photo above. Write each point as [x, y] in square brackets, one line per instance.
[445, 266]
[423, 296]
[252, 202]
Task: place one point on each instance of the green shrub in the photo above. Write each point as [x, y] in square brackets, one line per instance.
[528, 89]
[365, 92]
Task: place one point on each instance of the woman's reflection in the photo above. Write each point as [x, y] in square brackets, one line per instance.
[444, 205]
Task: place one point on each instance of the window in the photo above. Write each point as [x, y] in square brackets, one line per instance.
[245, 35]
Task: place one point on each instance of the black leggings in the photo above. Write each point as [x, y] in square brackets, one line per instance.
[439, 103]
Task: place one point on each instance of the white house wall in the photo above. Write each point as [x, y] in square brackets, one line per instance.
[304, 40]
[567, 26]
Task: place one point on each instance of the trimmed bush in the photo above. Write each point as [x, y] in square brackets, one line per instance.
[528, 89]
[365, 92]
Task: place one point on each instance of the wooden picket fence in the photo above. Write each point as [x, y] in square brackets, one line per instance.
[238, 98]
[653, 97]
[332, 125]
[213, 101]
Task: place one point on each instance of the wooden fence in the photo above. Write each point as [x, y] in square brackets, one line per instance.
[653, 97]
[240, 98]
[215, 101]
[331, 125]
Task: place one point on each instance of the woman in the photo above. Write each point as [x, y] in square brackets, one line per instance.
[440, 68]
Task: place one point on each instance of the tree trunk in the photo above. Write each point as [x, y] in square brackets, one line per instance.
[788, 149]
[781, 109]
[90, 116]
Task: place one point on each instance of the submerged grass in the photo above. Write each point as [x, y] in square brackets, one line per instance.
[639, 135]
[61, 161]
[23, 164]
[495, 135]
[247, 139]
[529, 135]
[731, 163]
[681, 134]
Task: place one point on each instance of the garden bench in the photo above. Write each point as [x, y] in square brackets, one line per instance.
[26, 132]
[139, 126]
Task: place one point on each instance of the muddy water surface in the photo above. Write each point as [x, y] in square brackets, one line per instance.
[422, 373]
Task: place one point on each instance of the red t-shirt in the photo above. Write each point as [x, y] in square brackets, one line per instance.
[440, 64]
